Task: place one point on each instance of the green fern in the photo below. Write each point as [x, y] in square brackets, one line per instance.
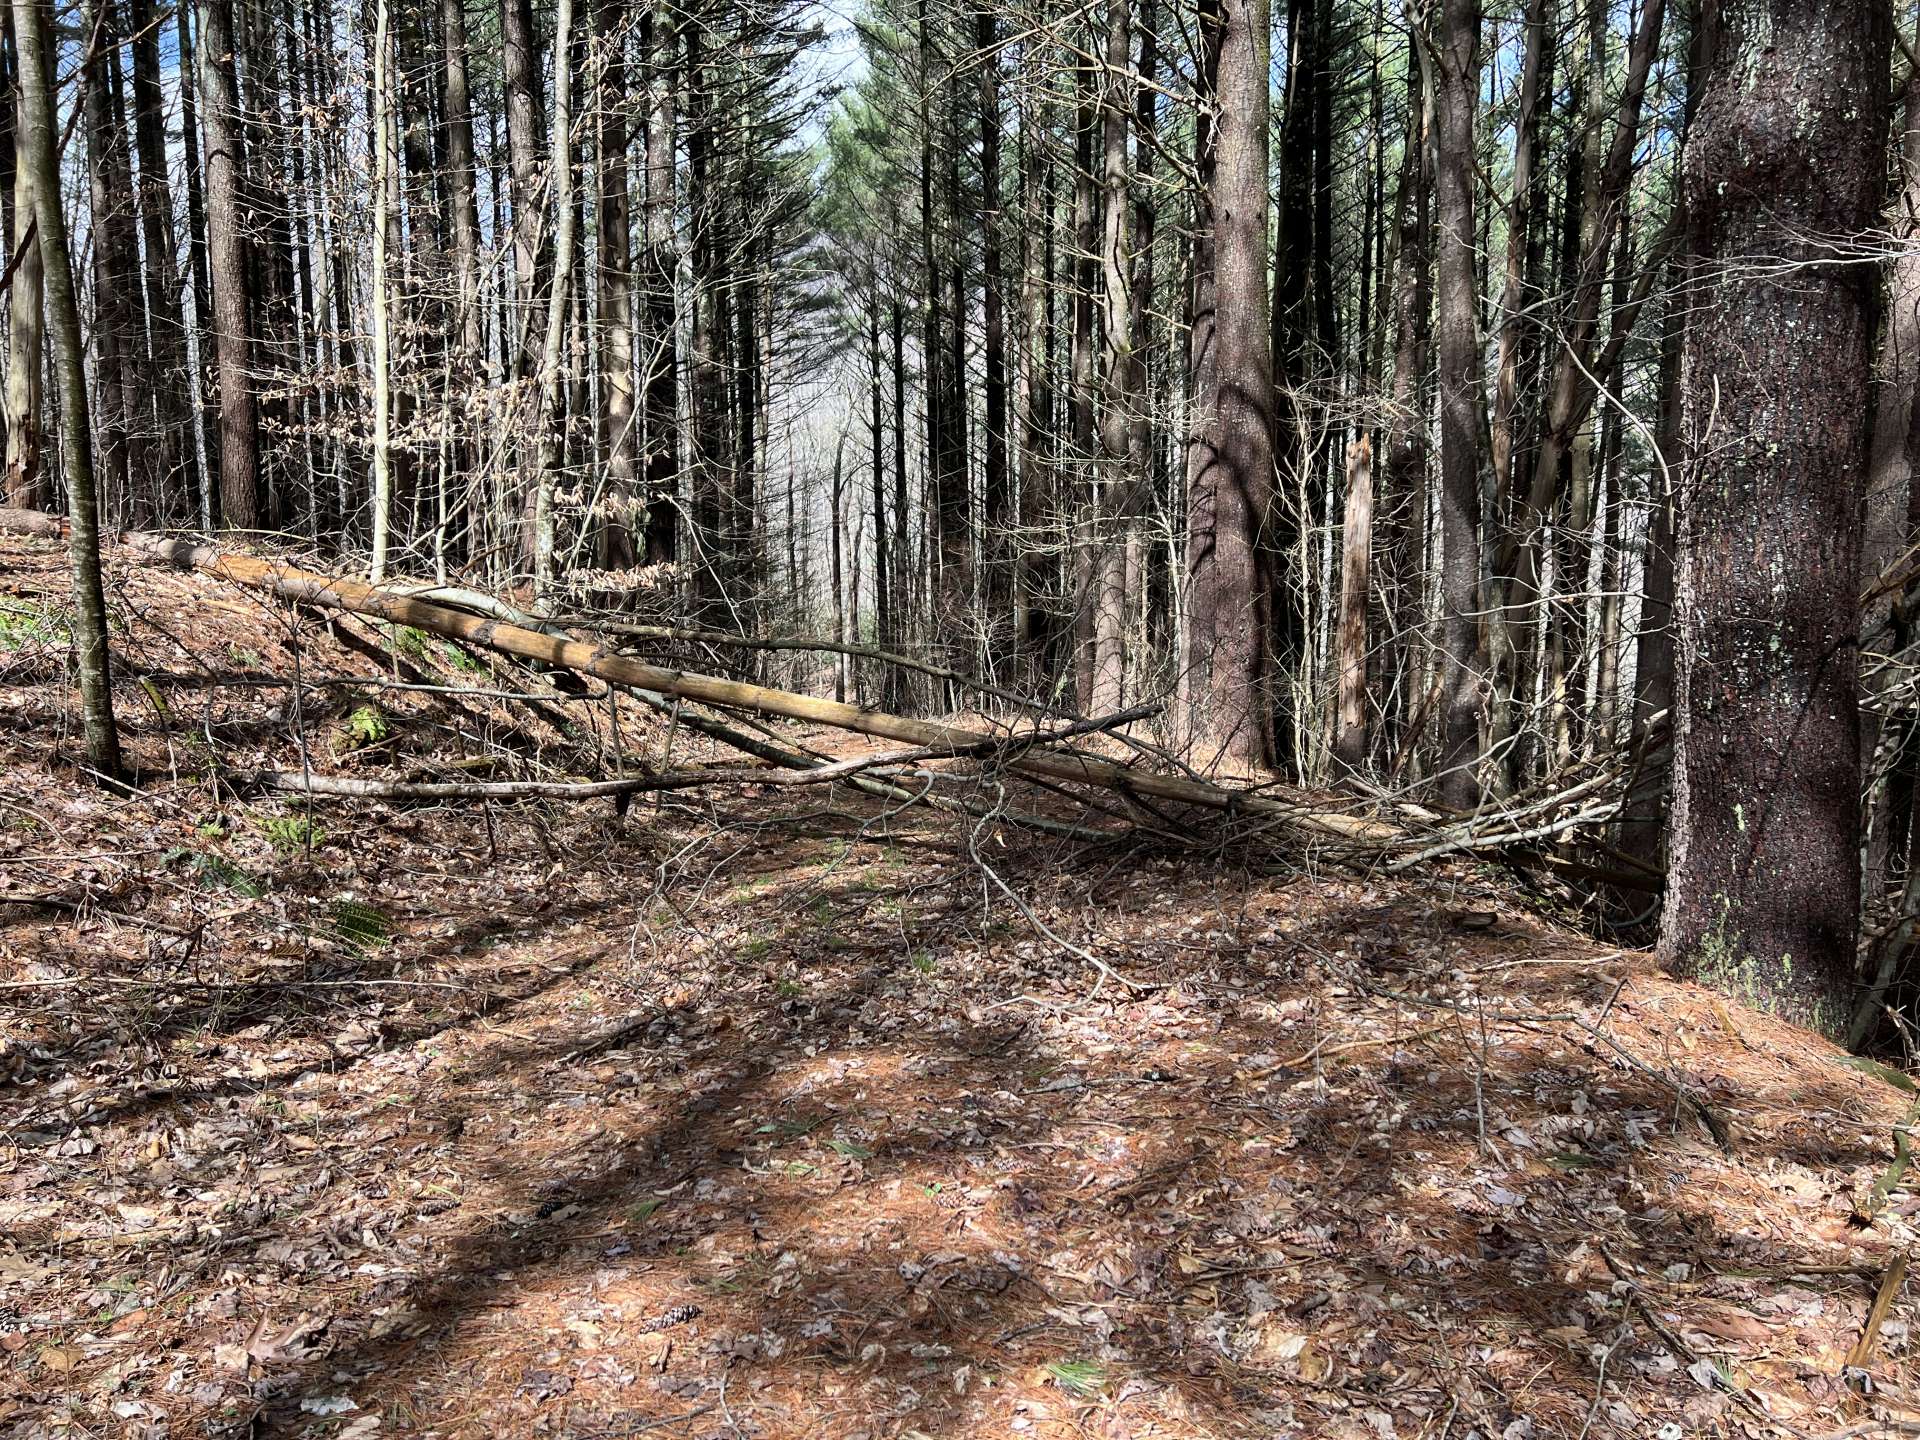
[408, 641]
[216, 871]
[361, 926]
[289, 834]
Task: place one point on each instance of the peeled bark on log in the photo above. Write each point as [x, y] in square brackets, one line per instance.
[329, 592]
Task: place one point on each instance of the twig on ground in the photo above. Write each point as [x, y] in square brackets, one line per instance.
[1638, 1299]
[1107, 972]
[1890, 1284]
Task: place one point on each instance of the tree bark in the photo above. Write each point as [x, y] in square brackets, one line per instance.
[229, 266]
[521, 77]
[1784, 158]
[1403, 499]
[1033, 567]
[42, 158]
[464, 209]
[1123, 431]
[876, 419]
[379, 302]
[996, 491]
[26, 334]
[1456, 91]
[1356, 555]
[549, 412]
[1230, 457]
[1081, 501]
[660, 272]
[199, 250]
[619, 433]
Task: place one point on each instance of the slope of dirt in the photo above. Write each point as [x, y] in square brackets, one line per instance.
[768, 1115]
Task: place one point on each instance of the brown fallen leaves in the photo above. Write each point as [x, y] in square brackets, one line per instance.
[799, 1069]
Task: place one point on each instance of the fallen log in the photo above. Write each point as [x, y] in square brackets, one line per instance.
[357, 787]
[868, 783]
[680, 634]
[1072, 767]
[369, 788]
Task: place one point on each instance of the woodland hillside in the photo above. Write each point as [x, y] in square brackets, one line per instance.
[763, 1111]
[1160, 717]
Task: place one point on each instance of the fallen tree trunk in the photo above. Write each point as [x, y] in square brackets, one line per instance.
[356, 787]
[361, 787]
[680, 634]
[337, 593]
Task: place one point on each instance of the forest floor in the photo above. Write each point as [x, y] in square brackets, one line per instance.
[767, 1115]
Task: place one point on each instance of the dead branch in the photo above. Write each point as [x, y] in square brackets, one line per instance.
[692, 636]
[1314, 822]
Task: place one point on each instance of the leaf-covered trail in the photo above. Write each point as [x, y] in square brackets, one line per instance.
[917, 1176]
[770, 1116]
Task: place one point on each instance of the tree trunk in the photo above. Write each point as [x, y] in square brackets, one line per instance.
[1230, 458]
[198, 263]
[1784, 159]
[464, 209]
[26, 447]
[1082, 506]
[876, 407]
[167, 374]
[1642, 831]
[898, 566]
[521, 77]
[1123, 434]
[1403, 500]
[1032, 568]
[548, 414]
[660, 272]
[708, 487]
[42, 159]
[1302, 356]
[1514, 326]
[380, 354]
[1356, 557]
[1457, 88]
[228, 264]
[996, 493]
[619, 435]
